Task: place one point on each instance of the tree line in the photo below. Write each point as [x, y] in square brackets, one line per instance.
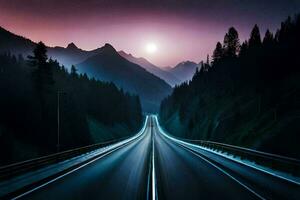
[30, 88]
[247, 95]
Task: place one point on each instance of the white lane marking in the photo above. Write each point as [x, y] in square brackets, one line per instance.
[249, 165]
[59, 177]
[235, 160]
[153, 169]
[223, 171]
[105, 154]
[226, 173]
[149, 178]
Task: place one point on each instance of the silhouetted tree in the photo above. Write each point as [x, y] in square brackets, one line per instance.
[255, 39]
[207, 59]
[231, 42]
[85, 77]
[42, 70]
[29, 115]
[39, 57]
[254, 92]
[244, 48]
[74, 71]
[284, 30]
[268, 39]
[218, 52]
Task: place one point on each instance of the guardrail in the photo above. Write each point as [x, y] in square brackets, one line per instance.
[273, 161]
[14, 169]
[276, 162]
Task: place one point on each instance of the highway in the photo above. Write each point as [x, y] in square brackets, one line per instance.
[122, 174]
[154, 166]
[188, 172]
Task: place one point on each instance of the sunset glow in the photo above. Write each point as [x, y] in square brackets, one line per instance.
[151, 48]
[184, 30]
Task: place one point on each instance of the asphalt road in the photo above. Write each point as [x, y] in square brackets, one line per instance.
[123, 174]
[180, 173]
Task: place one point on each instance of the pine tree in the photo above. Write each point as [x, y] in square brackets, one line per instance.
[207, 59]
[218, 52]
[244, 48]
[42, 69]
[39, 57]
[255, 39]
[74, 71]
[268, 39]
[231, 42]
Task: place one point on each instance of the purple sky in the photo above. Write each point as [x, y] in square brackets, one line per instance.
[181, 29]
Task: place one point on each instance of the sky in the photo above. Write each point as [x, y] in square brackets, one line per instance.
[165, 32]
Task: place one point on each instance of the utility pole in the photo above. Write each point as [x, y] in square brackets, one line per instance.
[58, 120]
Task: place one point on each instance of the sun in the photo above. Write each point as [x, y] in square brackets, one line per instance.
[151, 48]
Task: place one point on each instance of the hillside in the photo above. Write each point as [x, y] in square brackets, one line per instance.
[165, 75]
[131, 77]
[90, 111]
[10, 42]
[183, 71]
[248, 96]
[108, 65]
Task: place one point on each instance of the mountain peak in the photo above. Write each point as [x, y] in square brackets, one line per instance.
[128, 56]
[108, 48]
[123, 52]
[187, 63]
[72, 46]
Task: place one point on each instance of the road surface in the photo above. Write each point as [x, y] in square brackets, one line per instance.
[156, 167]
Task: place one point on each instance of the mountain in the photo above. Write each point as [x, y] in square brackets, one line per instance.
[90, 111]
[167, 68]
[165, 75]
[14, 43]
[108, 65]
[70, 55]
[103, 63]
[249, 98]
[20, 45]
[184, 71]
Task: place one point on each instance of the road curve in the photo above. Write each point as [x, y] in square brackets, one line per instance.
[182, 175]
[155, 166]
[188, 172]
[123, 174]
